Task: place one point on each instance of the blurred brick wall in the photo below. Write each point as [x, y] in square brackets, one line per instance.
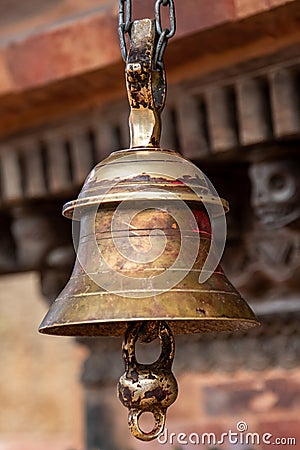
[268, 402]
[40, 397]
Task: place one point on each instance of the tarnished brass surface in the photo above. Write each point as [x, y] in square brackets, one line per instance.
[148, 387]
[85, 308]
[147, 178]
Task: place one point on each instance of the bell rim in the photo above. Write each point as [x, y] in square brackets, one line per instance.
[72, 328]
[69, 207]
[131, 188]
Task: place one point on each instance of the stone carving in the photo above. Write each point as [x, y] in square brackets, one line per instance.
[264, 261]
[37, 231]
[276, 192]
[7, 246]
[265, 264]
[44, 243]
[277, 252]
[56, 271]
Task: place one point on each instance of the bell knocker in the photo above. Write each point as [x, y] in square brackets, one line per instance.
[148, 387]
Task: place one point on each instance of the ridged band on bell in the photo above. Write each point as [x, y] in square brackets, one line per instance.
[111, 285]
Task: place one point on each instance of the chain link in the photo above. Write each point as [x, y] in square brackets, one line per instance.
[164, 34]
[124, 24]
[170, 32]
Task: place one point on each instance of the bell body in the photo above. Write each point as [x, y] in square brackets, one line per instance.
[144, 241]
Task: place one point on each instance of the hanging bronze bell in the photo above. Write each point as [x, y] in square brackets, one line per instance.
[116, 280]
[132, 204]
[148, 255]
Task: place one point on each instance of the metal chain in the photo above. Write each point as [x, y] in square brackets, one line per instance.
[124, 25]
[164, 34]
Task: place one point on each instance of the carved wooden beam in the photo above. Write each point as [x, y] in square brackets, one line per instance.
[203, 121]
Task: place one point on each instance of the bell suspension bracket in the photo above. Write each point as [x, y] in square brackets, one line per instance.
[146, 85]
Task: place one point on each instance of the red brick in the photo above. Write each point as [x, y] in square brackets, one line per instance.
[245, 8]
[196, 15]
[62, 52]
[192, 15]
[236, 398]
[83, 45]
[274, 3]
[242, 397]
[278, 430]
[287, 392]
[6, 83]
[86, 44]
[26, 62]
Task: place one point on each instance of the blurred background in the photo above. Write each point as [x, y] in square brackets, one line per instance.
[233, 109]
